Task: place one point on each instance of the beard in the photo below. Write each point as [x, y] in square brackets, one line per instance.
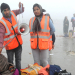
[7, 15]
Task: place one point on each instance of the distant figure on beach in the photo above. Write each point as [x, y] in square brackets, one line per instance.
[65, 26]
[73, 21]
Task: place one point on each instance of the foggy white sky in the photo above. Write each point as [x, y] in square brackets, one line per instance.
[56, 8]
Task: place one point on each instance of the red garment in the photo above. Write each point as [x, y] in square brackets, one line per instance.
[2, 28]
[43, 71]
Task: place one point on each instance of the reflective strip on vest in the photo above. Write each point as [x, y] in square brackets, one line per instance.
[14, 16]
[43, 37]
[6, 39]
[45, 26]
[7, 26]
[43, 30]
[8, 31]
[14, 26]
[15, 20]
[50, 39]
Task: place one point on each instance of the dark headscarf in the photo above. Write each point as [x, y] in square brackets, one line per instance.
[5, 6]
[65, 19]
[36, 24]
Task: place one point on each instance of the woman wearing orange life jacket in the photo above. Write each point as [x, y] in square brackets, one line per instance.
[41, 27]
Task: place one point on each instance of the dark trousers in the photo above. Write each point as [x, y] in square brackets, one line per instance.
[10, 54]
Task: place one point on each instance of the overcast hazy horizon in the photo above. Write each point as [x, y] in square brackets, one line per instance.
[58, 9]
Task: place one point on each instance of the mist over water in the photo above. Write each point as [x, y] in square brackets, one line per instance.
[57, 9]
[64, 51]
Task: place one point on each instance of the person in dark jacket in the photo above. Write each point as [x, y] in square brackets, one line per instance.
[53, 39]
[53, 35]
[65, 26]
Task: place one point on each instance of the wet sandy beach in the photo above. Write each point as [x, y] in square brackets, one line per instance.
[63, 53]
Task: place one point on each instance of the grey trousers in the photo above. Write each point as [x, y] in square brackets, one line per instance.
[10, 54]
[41, 56]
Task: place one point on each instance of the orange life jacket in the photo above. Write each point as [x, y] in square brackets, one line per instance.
[9, 33]
[31, 69]
[43, 71]
[43, 35]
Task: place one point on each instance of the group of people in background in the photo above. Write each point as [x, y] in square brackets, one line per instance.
[66, 25]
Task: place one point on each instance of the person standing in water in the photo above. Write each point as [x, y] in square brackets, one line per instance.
[65, 26]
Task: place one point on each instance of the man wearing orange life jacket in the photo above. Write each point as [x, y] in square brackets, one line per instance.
[40, 29]
[9, 34]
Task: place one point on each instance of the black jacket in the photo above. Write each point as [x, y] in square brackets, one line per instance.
[53, 38]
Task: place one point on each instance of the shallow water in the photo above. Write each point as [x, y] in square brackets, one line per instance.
[64, 54]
